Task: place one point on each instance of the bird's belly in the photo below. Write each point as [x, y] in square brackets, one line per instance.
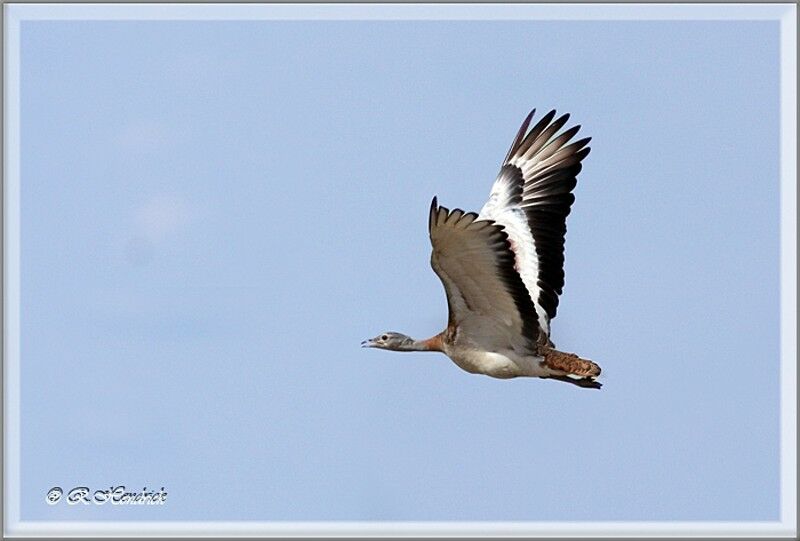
[485, 362]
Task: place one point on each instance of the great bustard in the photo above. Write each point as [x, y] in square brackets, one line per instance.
[503, 269]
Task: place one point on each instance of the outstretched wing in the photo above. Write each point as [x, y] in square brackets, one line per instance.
[487, 301]
[531, 199]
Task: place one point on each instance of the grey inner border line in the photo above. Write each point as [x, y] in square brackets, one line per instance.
[412, 2]
[3, 378]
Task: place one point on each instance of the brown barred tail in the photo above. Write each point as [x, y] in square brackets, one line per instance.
[569, 363]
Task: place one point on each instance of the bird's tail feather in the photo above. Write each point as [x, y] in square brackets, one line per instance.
[569, 367]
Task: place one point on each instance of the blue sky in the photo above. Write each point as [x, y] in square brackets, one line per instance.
[215, 214]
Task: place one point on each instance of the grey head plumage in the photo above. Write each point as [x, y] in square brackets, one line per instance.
[389, 340]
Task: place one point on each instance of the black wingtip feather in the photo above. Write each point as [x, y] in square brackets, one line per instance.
[432, 212]
[580, 143]
[544, 122]
[560, 121]
[527, 121]
[520, 135]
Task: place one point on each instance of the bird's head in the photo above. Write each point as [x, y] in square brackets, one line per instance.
[389, 340]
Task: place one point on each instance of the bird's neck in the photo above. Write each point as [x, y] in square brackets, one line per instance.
[433, 343]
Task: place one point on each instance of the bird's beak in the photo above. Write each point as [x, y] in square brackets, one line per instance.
[367, 344]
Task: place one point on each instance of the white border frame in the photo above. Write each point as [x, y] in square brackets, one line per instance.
[785, 13]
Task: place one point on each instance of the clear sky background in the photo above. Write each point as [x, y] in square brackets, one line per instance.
[215, 214]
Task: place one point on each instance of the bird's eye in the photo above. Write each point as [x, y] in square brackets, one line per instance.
[384, 337]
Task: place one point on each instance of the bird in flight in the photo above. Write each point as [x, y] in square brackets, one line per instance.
[503, 268]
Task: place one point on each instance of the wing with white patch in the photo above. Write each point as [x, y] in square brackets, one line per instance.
[487, 301]
[531, 199]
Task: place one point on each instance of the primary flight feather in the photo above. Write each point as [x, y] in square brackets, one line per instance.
[503, 269]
